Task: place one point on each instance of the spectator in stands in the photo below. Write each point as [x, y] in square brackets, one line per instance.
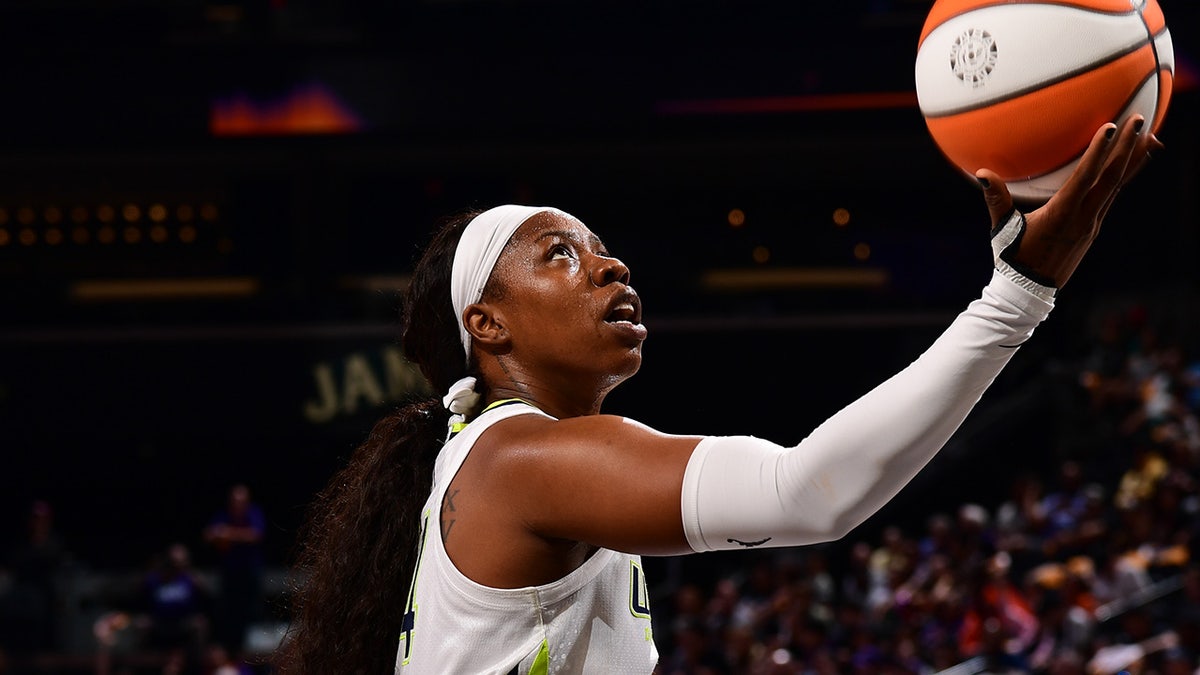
[218, 662]
[1064, 506]
[1020, 521]
[1185, 613]
[29, 611]
[1190, 381]
[1139, 482]
[176, 602]
[856, 575]
[999, 621]
[236, 534]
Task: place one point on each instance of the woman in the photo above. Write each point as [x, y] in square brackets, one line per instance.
[524, 557]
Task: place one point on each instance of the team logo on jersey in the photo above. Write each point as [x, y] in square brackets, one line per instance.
[409, 623]
[639, 593]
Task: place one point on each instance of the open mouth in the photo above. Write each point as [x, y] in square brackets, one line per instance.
[625, 316]
[626, 309]
[623, 313]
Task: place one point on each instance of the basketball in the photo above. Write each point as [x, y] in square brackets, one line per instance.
[1021, 87]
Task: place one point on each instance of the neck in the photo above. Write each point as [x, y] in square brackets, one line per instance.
[547, 400]
[560, 395]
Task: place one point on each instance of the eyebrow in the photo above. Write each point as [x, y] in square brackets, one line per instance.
[572, 236]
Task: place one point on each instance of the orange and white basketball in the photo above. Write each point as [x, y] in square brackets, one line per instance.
[1020, 87]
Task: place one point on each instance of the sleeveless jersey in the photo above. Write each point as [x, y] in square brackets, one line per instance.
[594, 620]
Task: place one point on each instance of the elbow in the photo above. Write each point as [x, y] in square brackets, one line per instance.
[831, 515]
[845, 519]
[807, 532]
[840, 528]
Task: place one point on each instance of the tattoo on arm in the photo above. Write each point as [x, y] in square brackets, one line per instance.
[448, 508]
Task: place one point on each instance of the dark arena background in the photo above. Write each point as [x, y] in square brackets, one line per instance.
[208, 212]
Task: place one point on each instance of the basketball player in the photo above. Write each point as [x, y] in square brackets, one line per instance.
[498, 528]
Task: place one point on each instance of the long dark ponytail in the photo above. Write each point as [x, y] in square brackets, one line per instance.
[358, 547]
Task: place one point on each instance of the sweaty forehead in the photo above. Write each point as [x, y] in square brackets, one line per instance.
[549, 223]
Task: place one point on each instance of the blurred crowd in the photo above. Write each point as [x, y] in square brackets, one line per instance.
[168, 619]
[1090, 567]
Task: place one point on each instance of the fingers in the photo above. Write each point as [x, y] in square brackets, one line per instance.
[1148, 146]
[1090, 166]
[1112, 178]
[1142, 155]
[996, 194]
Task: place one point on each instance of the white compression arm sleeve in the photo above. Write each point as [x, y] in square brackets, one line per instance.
[742, 491]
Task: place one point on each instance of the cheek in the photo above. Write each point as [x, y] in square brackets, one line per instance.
[554, 301]
[543, 316]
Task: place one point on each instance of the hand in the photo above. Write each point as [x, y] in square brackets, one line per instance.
[1059, 233]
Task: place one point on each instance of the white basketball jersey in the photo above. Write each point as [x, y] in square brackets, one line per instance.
[594, 620]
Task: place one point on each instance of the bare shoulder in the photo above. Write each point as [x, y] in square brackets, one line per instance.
[523, 438]
[602, 479]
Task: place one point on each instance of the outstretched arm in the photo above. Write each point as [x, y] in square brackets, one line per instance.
[613, 483]
[860, 458]
[741, 491]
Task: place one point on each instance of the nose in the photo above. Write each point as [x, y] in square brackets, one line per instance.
[609, 270]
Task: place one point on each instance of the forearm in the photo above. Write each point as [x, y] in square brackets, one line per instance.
[742, 491]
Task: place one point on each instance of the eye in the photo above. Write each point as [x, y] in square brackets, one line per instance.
[560, 251]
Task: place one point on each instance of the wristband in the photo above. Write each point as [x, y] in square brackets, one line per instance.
[1006, 241]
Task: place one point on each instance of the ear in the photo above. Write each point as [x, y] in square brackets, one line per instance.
[485, 323]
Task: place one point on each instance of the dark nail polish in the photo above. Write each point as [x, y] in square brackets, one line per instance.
[1138, 124]
[984, 182]
[1110, 133]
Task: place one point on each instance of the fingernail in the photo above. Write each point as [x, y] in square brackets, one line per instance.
[1139, 123]
[984, 182]
[1112, 131]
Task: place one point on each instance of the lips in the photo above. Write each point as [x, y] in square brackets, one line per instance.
[626, 307]
[625, 314]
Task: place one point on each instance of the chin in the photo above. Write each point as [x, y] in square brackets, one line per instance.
[632, 364]
[627, 368]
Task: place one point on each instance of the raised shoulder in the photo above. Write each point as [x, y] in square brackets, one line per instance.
[602, 480]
